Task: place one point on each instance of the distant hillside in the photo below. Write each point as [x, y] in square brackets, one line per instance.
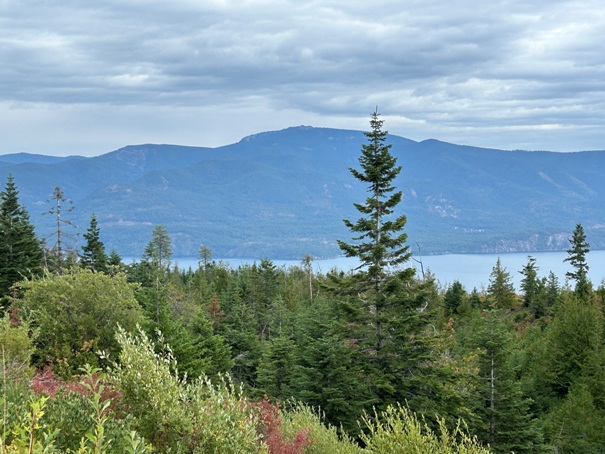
[284, 194]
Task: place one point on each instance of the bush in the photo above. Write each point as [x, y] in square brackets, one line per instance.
[398, 430]
[76, 315]
[178, 416]
[72, 417]
[322, 438]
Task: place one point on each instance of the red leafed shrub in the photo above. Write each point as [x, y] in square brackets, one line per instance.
[270, 422]
[46, 382]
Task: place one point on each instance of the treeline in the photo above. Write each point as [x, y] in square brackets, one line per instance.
[99, 356]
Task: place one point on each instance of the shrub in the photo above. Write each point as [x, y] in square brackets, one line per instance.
[178, 416]
[398, 430]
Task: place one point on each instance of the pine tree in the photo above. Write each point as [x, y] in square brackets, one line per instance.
[93, 255]
[20, 250]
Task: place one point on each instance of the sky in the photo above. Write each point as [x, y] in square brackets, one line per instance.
[87, 77]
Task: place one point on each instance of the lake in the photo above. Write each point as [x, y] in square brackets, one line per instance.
[472, 270]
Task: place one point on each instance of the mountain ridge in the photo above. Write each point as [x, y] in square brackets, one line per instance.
[283, 194]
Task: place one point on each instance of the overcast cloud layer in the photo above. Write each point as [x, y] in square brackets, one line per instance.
[84, 77]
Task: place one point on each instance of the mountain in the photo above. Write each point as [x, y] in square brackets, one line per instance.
[283, 194]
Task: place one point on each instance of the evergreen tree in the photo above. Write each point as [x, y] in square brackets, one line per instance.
[386, 311]
[276, 368]
[454, 297]
[577, 258]
[20, 250]
[507, 423]
[158, 251]
[93, 255]
[501, 290]
[530, 283]
[114, 263]
[379, 243]
[574, 337]
[535, 293]
[205, 262]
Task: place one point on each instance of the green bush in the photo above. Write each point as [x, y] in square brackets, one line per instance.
[76, 315]
[323, 438]
[398, 430]
[177, 416]
[78, 420]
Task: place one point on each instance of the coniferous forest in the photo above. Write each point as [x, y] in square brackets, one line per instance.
[100, 356]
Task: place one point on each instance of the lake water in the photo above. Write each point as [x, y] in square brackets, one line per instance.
[472, 270]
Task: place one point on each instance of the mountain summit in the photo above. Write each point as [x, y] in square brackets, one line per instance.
[284, 194]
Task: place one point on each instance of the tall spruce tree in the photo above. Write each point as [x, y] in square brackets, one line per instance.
[507, 423]
[501, 290]
[384, 307]
[93, 255]
[20, 250]
[577, 258]
[380, 243]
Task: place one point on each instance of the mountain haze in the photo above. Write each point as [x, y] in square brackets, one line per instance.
[284, 194]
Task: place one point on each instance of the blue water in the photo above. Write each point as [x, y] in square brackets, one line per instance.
[472, 270]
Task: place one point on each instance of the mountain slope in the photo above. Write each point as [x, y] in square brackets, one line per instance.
[283, 194]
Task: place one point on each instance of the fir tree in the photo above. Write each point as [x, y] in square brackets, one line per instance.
[380, 243]
[454, 297]
[577, 258]
[506, 420]
[158, 251]
[501, 290]
[385, 308]
[93, 255]
[20, 250]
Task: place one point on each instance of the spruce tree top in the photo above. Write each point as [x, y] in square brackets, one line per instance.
[379, 243]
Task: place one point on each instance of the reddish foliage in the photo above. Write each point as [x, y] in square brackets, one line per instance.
[270, 422]
[13, 316]
[215, 312]
[46, 382]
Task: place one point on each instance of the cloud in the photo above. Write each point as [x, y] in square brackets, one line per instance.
[504, 74]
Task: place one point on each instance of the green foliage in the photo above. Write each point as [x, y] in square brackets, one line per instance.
[573, 338]
[159, 250]
[275, 368]
[20, 249]
[577, 258]
[397, 430]
[500, 289]
[76, 315]
[78, 420]
[507, 423]
[454, 298]
[175, 415]
[93, 255]
[380, 243]
[16, 347]
[324, 438]
[576, 426]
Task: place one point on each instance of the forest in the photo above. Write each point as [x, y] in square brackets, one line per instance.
[99, 356]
